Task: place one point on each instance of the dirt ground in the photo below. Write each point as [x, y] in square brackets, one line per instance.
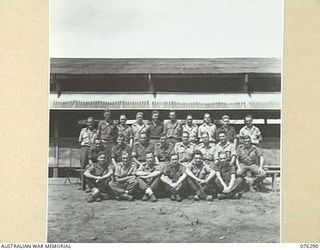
[253, 218]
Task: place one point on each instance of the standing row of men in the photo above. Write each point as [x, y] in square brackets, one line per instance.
[172, 140]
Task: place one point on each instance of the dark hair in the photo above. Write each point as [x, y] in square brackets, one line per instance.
[139, 113]
[244, 137]
[225, 117]
[248, 116]
[222, 132]
[174, 154]
[155, 112]
[197, 152]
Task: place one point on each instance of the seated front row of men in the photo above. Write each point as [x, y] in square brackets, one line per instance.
[126, 180]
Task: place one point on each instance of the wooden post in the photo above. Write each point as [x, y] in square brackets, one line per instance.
[56, 137]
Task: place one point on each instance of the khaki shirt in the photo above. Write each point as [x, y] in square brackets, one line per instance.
[210, 129]
[174, 173]
[228, 148]
[108, 132]
[173, 130]
[163, 152]
[122, 171]
[207, 151]
[126, 130]
[156, 130]
[193, 132]
[200, 171]
[185, 152]
[87, 137]
[249, 156]
[137, 130]
[253, 132]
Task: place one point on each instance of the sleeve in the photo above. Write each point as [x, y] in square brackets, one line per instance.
[80, 136]
[233, 150]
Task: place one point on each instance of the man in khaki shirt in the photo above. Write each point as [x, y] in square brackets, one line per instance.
[139, 127]
[207, 127]
[251, 130]
[184, 149]
[173, 128]
[191, 128]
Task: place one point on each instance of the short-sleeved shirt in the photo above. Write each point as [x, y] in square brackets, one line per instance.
[139, 129]
[145, 167]
[185, 152]
[228, 148]
[230, 133]
[225, 171]
[140, 151]
[193, 132]
[122, 171]
[210, 129]
[253, 132]
[87, 137]
[108, 132]
[207, 151]
[200, 171]
[163, 152]
[126, 130]
[94, 151]
[116, 151]
[99, 170]
[173, 130]
[155, 130]
[248, 156]
[174, 173]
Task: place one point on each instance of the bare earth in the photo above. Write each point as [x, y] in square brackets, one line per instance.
[254, 218]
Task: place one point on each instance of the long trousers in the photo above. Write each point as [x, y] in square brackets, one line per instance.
[152, 184]
[201, 190]
[237, 186]
[120, 188]
[84, 160]
[177, 190]
[257, 174]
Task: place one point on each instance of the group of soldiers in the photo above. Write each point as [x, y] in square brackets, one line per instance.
[176, 159]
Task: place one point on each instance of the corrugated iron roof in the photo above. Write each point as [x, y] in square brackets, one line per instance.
[164, 65]
[178, 101]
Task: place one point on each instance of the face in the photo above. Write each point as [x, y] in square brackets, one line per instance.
[197, 159]
[174, 160]
[163, 140]
[222, 137]
[207, 118]
[155, 116]
[90, 123]
[225, 121]
[107, 116]
[150, 159]
[248, 121]
[246, 142]
[189, 119]
[97, 143]
[125, 158]
[101, 159]
[172, 116]
[120, 140]
[139, 118]
[185, 138]
[223, 159]
[205, 138]
[143, 138]
[123, 120]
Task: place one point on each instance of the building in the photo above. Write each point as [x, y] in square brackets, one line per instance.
[82, 87]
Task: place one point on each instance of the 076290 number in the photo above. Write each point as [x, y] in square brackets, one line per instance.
[309, 246]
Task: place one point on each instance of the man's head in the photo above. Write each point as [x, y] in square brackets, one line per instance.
[123, 119]
[163, 139]
[205, 137]
[90, 122]
[185, 137]
[150, 158]
[222, 158]
[174, 159]
[107, 114]
[248, 120]
[197, 156]
[143, 138]
[172, 115]
[101, 157]
[139, 117]
[155, 115]
[125, 158]
[222, 136]
[207, 118]
[225, 120]
[189, 120]
[120, 139]
[246, 140]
